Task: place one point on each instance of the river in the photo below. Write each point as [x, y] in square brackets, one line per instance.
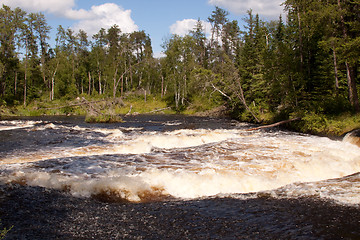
[178, 177]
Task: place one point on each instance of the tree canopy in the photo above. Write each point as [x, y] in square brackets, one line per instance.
[309, 62]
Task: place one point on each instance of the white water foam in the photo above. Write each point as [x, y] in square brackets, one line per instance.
[17, 124]
[196, 163]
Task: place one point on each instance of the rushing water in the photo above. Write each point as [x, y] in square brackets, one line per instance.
[176, 158]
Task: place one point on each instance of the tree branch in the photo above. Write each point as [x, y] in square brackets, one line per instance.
[222, 93]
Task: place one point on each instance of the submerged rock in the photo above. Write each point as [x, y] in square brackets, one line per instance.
[353, 137]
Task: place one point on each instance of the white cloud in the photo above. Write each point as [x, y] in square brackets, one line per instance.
[101, 16]
[267, 8]
[51, 6]
[183, 27]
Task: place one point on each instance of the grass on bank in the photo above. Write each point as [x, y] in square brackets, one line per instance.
[95, 105]
[137, 104]
[133, 103]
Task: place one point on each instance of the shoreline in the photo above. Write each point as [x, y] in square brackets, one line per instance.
[82, 119]
[334, 127]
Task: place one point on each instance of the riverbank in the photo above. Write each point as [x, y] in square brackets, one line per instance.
[109, 109]
[323, 125]
[333, 126]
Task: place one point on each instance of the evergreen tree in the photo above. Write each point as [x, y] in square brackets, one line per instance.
[201, 51]
[252, 59]
[217, 19]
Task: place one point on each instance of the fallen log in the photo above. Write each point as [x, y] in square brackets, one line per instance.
[159, 110]
[274, 124]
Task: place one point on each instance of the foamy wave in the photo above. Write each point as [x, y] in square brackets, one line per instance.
[119, 143]
[344, 190]
[144, 186]
[185, 138]
[136, 183]
[17, 124]
[131, 165]
[121, 188]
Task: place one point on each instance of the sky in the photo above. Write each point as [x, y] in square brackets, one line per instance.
[158, 18]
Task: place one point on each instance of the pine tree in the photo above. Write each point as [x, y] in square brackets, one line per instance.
[201, 51]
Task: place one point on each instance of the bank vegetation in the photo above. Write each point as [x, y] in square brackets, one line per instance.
[264, 72]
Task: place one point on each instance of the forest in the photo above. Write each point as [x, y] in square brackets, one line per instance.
[305, 64]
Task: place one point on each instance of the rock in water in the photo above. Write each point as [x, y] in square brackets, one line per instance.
[353, 137]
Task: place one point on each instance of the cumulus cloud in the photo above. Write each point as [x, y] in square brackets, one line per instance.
[101, 16]
[51, 6]
[183, 27]
[267, 8]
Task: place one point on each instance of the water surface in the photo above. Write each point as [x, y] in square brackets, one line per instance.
[182, 166]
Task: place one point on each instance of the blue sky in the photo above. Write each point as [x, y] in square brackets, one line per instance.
[158, 18]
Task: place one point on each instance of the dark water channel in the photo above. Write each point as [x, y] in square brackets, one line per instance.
[174, 177]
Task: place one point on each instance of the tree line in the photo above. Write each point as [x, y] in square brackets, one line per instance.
[307, 61]
[110, 63]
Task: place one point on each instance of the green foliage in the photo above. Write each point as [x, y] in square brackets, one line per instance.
[135, 103]
[4, 231]
[269, 72]
[103, 118]
[314, 123]
[321, 124]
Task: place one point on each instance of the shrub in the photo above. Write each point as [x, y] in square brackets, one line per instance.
[103, 118]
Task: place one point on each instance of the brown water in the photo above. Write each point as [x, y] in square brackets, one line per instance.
[170, 162]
